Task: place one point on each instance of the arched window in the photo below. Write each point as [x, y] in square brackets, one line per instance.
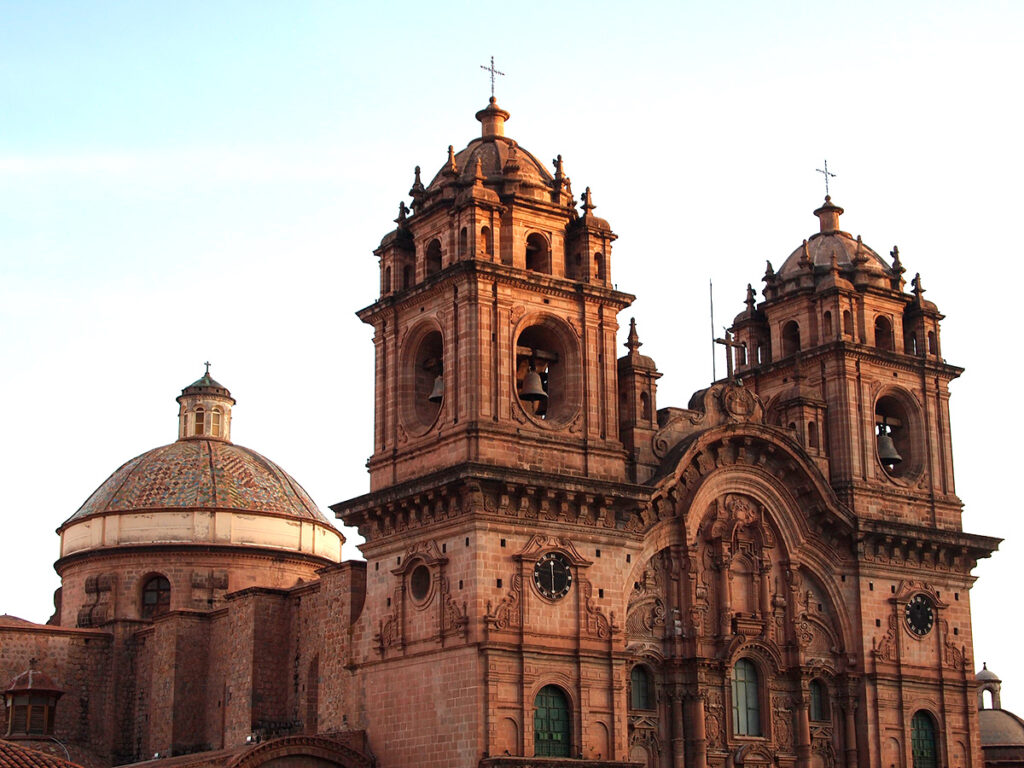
[406, 276]
[883, 333]
[741, 354]
[828, 326]
[538, 257]
[933, 347]
[387, 281]
[812, 435]
[819, 701]
[551, 723]
[463, 243]
[200, 421]
[215, 421]
[599, 266]
[847, 323]
[156, 597]
[645, 406]
[746, 707]
[922, 740]
[434, 257]
[641, 693]
[790, 338]
[485, 241]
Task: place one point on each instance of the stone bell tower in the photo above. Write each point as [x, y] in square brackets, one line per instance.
[502, 513]
[852, 363]
[496, 321]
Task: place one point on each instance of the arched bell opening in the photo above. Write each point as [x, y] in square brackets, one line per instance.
[538, 254]
[790, 338]
[548, 379]
[896, 425]
[421, 388]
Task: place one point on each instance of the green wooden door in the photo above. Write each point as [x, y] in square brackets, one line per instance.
[551, 723]
[922, 741]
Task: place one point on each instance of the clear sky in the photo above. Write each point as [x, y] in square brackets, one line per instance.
[193, 181]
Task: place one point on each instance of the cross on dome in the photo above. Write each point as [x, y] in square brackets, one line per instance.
[493, 72]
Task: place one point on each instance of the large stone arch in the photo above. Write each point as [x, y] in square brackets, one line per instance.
[302, 752]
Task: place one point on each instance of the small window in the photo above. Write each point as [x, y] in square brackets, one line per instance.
[434, 257]
[156, 597]
[746, 707]
[200, 422]
[933, 347]
[847, 323]
[790, 338]
[32, 714]
[828, 326]
[641, 693]
[386, 288]
[551, 723]
[599, 267]
[538, 256]
[812, 435]
[883, 333]
[645, 406]
[215, 420]
[819, 701]
[406, 276]
[463, 243]
[486, 245]
[419, 583]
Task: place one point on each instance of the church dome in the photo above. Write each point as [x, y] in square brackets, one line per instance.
[201, 489]
[500, 158]
[818, 250]
[201, 474]
[1000, 728]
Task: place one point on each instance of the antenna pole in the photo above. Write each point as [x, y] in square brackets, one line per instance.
[711, 302]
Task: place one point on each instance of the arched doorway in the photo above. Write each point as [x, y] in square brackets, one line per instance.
[551, 734]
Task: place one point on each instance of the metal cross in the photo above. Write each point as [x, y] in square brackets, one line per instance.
[493, 72]
[207, 364]
[827, 173]
[729, 345]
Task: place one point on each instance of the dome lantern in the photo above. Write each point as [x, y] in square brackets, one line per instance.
[205, 410]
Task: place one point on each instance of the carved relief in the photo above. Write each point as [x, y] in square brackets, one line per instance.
[508, 614]
[389, 629]
[453, 618]
[714, 718]
[595, 621]
[885, 649]
[782, 722]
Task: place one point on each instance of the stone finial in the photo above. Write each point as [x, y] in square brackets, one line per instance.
[403, 211]
[860, 257]
[828, 216]
[512, 162]
[769, 273]
[751, 299]
[588, 202]
[918, 289]
[805, 257]
[633, 342]
[557, 162]
[478, 172]
[450, 168]
[833, 264]
[417, 192]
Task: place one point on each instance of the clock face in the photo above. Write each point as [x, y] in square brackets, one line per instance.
[920, 615]
[552, 575]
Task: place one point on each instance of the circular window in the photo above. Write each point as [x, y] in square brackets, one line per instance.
[422, 385]
[548, 379]
[895, 429]
[419, 583]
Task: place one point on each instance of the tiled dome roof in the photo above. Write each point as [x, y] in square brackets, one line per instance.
[201, 474]
[1000, 728]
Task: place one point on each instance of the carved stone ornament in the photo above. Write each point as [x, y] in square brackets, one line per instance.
[597, 624]
[508, 614]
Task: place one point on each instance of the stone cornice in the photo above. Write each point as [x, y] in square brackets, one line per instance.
[238, 551]
[856, 351]
[921, 546]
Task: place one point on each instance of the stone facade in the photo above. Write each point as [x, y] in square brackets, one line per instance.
[557, 571]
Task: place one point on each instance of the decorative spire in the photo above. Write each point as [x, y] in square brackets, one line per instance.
[805, 257]
[918, 289]
[403, 211]
[512, 162]
[450, 168]
[418, 191]
[859, 256]
[633, 342]
[478, 171]
[588, 202]
[769, 273]
[751, 299]
[833, 263]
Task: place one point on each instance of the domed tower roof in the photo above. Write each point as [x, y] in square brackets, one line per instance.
[155, 497]
[831, 243]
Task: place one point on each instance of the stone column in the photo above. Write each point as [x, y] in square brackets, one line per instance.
[698, 736]
[803, 735]
[850, 734]
[678, 735]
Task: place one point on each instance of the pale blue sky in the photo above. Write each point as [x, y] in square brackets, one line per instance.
[190, 181]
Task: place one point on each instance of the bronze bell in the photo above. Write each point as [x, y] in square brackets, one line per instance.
[533, 388]
[887, 452]
[437, 393]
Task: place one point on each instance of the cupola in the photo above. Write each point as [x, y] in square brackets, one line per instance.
[205, 410]
[31, 700]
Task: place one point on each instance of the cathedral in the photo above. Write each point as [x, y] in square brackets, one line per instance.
[558, 569]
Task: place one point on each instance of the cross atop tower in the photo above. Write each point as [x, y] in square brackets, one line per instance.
[827, 173]
[207, 364]
[493, 72]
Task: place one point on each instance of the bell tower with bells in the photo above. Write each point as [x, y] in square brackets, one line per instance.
[503, 500]
[851, 362]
